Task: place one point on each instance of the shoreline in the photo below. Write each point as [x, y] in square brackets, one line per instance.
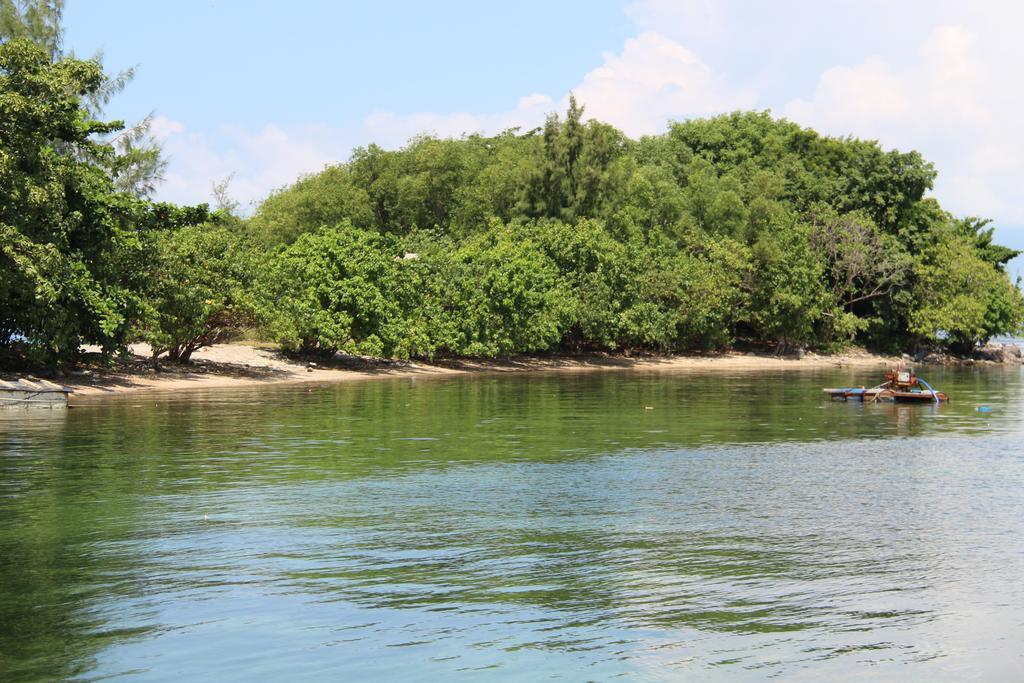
[239, 365]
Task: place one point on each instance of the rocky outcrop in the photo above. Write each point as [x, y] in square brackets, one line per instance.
[931, 357]
[990, 353]
[999, 353]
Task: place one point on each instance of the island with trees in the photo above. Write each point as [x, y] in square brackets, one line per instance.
[739, 230]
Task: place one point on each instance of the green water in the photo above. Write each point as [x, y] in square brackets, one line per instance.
[582, 527]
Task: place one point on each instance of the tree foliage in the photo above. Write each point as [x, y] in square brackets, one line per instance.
[341, 289]
[740, 228]
[961, 298]
[37, 21]
[73, 249]
[572, 236]
[198, 290]
[137, 165]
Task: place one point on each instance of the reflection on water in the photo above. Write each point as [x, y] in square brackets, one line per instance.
[586, 526]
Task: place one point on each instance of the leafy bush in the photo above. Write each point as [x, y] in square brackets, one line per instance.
[198, 290]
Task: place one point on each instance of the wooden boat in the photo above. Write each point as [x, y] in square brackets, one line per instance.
[33, 393]
[899, 385]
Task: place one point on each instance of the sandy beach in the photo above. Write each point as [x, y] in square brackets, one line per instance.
[242, 364]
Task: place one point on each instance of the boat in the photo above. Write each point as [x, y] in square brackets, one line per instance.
[33, 393]
[900, 385]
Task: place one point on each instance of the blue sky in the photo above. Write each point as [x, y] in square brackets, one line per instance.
[265, 91]
[293, 63]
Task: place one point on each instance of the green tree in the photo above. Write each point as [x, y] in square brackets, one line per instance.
[962, 299]
[198, 290]
[138, 164]
[326, 198]
[72, 248]
[790, 296]
[341, 289]
[506, 300]
[863, 265]
[683, 299]
[38, 21]
[981, 232]
[714, 203]
[575, 177]
[572, 236]
[592, 268]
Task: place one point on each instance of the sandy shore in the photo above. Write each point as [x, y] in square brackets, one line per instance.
[239, 365]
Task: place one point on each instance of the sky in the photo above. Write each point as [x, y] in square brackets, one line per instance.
[266, 91]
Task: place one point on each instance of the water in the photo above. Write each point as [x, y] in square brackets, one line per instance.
[579, 527]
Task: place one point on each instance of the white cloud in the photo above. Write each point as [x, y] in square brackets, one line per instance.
[953, 79]
[258, 161]
[943, 91]
[162, 128]
[947, 102]
[849, 98]
[390, 129]
[534, 100]
[652, 81]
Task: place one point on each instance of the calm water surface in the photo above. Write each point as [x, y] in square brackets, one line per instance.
[582, 527]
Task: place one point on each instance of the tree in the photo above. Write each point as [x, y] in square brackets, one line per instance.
[592, 277]
[573, 176]
[38, 21]
[72, 248]
[198, 290]
[962, 299]
[326, 198]
[714, 203]
[572, 236]
[862, 265]
[789, 298]
[138, 165]
[341, 289]
[506, 300]
[981, 232]
[676, 299]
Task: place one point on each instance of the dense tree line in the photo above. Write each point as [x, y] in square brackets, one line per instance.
[741, 228]
[572, 236]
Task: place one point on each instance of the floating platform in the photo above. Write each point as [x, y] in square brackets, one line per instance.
[33, 393]
[900, 385]
[862, 394]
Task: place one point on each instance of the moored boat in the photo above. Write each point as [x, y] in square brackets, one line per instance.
[33, 393]
[900, 385]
